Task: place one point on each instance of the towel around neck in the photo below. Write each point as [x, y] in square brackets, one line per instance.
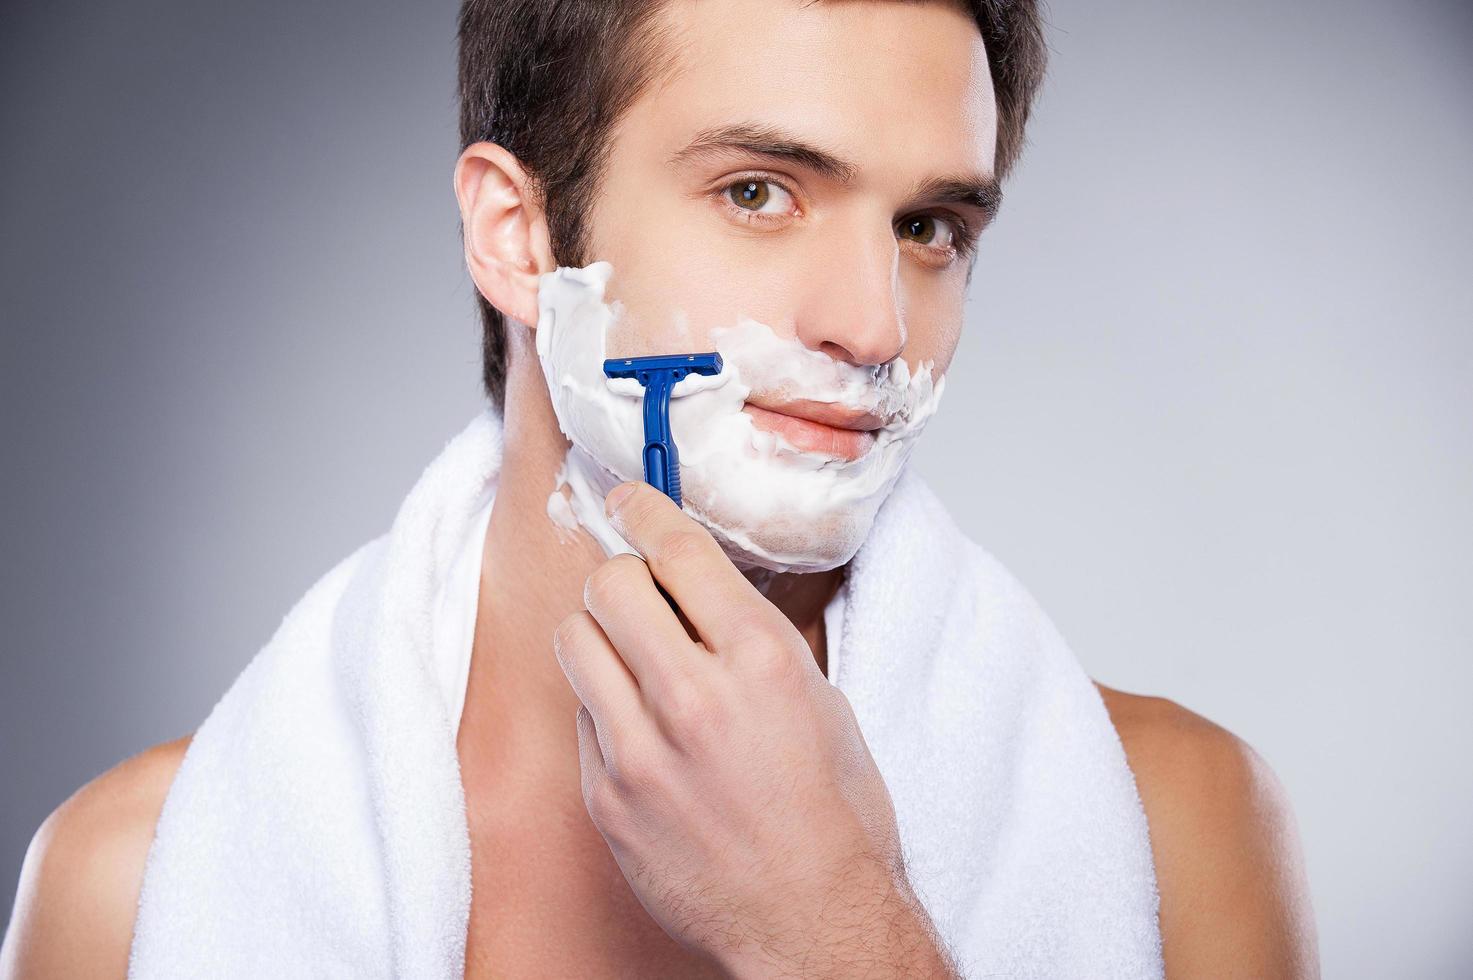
[317, 824]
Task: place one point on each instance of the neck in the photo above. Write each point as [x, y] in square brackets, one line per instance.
[532, 577]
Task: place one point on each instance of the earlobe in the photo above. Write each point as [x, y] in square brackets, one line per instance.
[505, 233]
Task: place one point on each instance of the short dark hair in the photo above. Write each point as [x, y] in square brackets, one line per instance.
[548, 80]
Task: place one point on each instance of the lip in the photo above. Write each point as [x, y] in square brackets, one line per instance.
[819, 427]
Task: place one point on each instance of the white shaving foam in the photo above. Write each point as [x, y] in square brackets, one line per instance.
[770, 504]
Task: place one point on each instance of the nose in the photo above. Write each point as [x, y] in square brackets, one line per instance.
[853, 311]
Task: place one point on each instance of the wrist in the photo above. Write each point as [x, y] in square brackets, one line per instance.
[880, 933]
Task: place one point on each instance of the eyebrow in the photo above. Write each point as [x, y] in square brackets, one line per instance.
[981, 191]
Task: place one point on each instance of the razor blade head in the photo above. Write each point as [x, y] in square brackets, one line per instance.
[661, 367]
[658, 375]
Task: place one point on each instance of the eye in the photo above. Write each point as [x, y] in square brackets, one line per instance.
[954, 239]
[923, 227]
[758, 198]
[753, 194]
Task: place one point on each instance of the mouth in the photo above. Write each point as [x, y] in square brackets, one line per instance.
[818, 427]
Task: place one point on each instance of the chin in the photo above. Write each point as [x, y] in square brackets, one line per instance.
[782, 541]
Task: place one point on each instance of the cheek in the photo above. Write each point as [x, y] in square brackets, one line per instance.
[676, 308]
[934, 329]
[681, 270]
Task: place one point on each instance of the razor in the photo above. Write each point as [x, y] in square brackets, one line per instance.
[658, 375]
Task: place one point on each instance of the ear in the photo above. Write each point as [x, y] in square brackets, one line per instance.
[506, 241]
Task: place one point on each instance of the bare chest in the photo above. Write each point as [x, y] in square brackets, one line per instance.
[548, 899]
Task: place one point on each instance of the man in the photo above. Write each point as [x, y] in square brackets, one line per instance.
[757, 159]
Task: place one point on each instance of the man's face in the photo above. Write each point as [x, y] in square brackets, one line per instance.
[867, 266]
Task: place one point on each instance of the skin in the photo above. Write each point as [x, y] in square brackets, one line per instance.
[590, 743]
[783, 857]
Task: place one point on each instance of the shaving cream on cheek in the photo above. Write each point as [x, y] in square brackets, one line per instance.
[770, 504]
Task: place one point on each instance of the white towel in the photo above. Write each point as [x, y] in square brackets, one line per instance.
[317, 824]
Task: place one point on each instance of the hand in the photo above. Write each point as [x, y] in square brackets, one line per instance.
[728, 776]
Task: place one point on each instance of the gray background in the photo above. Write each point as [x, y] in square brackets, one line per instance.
[1212, 405]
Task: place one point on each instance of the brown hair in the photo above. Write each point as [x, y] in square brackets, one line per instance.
[549, 79]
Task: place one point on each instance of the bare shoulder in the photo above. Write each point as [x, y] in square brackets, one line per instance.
[1229, 865]
[82, 874]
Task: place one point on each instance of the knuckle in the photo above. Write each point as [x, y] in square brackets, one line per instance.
[632, 772]
[682, 545]
[698, 726]
[687, 709]
[760, 634]
[607, 584]
[773, 664]
[567, 631]
[601, 797]
[638, 507]
[601, 585]
[779, 662]
[769, 646]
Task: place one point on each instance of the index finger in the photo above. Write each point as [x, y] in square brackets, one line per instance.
[714, 596]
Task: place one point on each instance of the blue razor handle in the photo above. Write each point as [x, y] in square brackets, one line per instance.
[658, 375]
